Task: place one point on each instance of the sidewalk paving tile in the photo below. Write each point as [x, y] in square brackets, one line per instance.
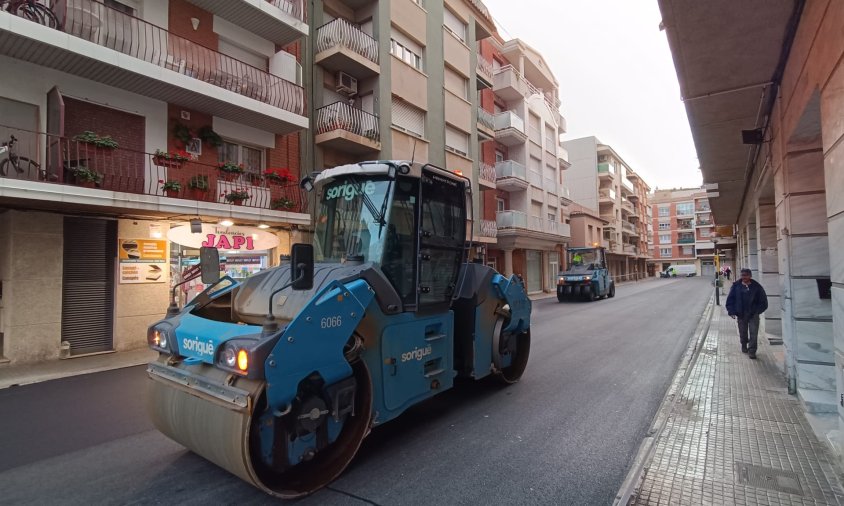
[735, 436]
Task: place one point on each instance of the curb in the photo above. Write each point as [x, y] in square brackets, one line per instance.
[40, 378]
[629, 487]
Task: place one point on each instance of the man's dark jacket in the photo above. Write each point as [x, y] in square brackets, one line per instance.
[735, 302]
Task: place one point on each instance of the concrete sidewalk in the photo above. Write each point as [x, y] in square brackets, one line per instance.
[25, 374]
[734, 435]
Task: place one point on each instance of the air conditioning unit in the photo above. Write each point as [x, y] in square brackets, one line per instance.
[346, 84]
[602, 158]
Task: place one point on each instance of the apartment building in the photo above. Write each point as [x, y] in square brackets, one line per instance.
[126, 120]
[434, 81]
[600, 179]
[587, 227]
[683, 232]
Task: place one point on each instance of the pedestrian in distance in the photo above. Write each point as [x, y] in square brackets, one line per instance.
[746, 301]
[727, 272]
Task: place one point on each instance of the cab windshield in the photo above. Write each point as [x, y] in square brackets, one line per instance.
[351, 218]
[583, 259]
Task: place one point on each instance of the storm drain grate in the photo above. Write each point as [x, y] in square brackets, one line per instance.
[766, 477]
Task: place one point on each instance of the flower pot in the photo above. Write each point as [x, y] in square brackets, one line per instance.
[198, 194]
[229, 177]
[166, 162]
[172, 193]
[237, 202]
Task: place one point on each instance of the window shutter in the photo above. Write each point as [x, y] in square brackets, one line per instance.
[455, 24]
[456, 83]
[457, 140]
[408, 117]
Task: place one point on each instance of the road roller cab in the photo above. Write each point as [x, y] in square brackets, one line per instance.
[587, 275]
[278, 378]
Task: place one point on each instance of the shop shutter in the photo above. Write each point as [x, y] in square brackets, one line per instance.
[409, 118]
[90, 250]
[457, 140]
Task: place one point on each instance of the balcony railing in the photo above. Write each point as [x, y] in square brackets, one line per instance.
[487, 172]
[628, 227]
[485, 68]
[342, 116]
[65, 161]
[509, 168]
[95, 22]
[607, 193]
[685, 240]
[343, 33]
[511, 219]
[509, 119]
[520, 220]
[702, 208]
[486, 118]
[292, 8]
[488, 228]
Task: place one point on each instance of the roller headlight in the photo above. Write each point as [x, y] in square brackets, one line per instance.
[234, 357]
[158, 338]
[229, 356]
[587, 278]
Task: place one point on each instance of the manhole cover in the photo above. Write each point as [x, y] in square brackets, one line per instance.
[766, 477]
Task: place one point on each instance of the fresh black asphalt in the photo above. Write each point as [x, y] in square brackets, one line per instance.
[565, 434]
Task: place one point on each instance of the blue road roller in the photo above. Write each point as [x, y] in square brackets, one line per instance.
[278, 378]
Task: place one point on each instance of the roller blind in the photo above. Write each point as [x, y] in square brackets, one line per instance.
[456, 83]
[457, 140]
[454, 24]
[407, 117]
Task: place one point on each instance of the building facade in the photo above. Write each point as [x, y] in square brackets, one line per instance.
[600, 179]
[682, 232]
[771, 147]
[124, 120]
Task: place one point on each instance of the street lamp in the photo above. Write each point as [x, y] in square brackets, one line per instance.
[715, 237]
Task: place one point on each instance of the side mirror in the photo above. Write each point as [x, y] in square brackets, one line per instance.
[302, 266]
[209, 261]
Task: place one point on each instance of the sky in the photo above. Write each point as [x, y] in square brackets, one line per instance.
[617, 79]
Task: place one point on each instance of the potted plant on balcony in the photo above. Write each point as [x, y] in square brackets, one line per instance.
[170, 159]
[283, 204]
[171, 187]
[83, 176]
[89, 137]
[236, 196]
[279, 176]
[198, 186]
[230, 170]
[210, 137]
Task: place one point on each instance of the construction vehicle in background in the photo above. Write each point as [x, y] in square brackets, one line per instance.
[587, 276]
[279, 378]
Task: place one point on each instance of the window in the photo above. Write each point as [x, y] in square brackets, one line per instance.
[500, 205]
[534, 125]
[687, 250]
[665, 252]
[685, 208]
[665, 226]
[252, 158]
[664, 210]
[243, 54]
[665, 238]
[406, 50]
[499, 156]
[550, 145]
[456, 83]
[705, 232]
[457, 140]
[121, 6]
[552, 213]
[454, 25]
[408, 118]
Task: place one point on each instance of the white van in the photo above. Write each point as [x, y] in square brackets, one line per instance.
[680, 270]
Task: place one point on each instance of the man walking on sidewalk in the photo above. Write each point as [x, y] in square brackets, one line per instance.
[746, 301]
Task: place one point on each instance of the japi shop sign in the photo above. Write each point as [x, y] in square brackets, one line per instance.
[224, 238]
[142, 260]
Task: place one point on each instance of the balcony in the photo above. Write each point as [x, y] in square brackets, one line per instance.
[629, 229]
[486, 124]
[606, 196]
[685, 240]
[627, 207]
[280, 21]
[702, 208]
[346, 128]
[488, 229]
[71, 174]
[565, 196]
[342, 46]
[685, 225]
[116, 49]
[511, 176]
[486, 176]
[509, 84]
[605, 171]
[626, 187]
[484, 72]
[509, 129]
[630, 249]
[516, 220]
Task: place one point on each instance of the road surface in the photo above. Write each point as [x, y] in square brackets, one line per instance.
[566, 434]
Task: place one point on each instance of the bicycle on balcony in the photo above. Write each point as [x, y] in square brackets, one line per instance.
[21, 164]
[33, 11]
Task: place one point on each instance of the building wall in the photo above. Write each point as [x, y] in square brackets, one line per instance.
[581, 177]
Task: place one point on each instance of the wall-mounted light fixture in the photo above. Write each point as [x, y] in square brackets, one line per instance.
[196, 226]
[194, 22]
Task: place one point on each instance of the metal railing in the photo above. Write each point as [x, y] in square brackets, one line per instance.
[486, 119]
[294, 8]
[628, 227]
[488, 228]
[685, 240]
[342, 116]
[343, 33]
[66, 161]
[487, 172]
[485, 67]
[95, 22]
[509, 168]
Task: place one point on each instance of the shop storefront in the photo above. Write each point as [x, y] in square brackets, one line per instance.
[534, 270]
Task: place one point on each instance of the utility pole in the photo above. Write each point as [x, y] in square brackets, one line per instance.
[717, 273]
